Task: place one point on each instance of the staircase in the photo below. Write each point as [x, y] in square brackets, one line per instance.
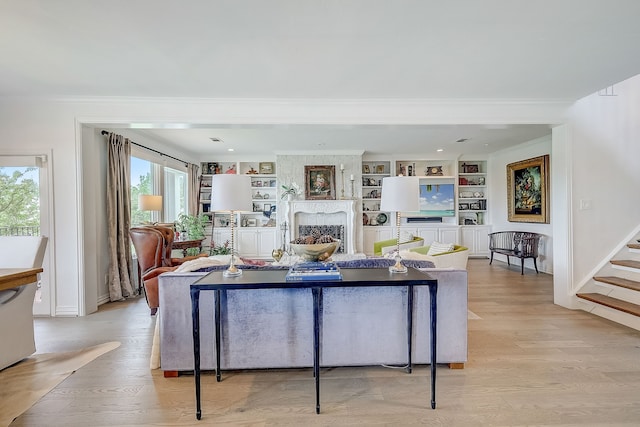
[616, 290]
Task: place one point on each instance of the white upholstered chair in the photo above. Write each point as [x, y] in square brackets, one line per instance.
[16, 305]
[455, 259]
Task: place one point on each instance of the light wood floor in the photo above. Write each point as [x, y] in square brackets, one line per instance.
[530, 363]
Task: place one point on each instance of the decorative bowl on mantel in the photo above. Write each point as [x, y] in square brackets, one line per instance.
[315, 251]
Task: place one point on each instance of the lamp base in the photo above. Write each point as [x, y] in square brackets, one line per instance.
[232, 271]
[398, 268]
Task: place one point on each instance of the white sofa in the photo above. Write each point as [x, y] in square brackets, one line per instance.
[273, 328]
[16, 304]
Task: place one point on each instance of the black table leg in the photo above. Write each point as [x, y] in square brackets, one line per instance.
[409, 326]
[218, 328]
[433, 291]
[195, 318]
[317, 295]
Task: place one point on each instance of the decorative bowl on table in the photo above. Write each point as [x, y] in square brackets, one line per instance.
[315, 251]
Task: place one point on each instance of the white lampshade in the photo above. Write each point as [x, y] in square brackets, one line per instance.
[149, 202]
[231, 192]
[400, 194]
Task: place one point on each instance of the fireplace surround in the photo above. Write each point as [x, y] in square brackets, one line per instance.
[324, 213]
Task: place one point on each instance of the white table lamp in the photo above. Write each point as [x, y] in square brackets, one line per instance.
[400, 194]
[231, 193]
[150, 202]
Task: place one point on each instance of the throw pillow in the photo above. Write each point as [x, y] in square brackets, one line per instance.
[405, 237]
[439, 248]
[389, 253]
[247, 261]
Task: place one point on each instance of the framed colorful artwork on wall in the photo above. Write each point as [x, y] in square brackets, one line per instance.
[528, 190]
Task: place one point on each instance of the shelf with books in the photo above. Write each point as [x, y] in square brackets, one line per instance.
[472, 192]
[373, 172]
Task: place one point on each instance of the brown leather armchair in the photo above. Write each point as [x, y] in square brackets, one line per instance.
[153, 249]
[169, 235]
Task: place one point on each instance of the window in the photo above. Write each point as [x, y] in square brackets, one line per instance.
[175, 194]
[149, 176]
[19, 201]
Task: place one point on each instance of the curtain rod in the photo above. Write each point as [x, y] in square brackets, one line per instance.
[104, 132]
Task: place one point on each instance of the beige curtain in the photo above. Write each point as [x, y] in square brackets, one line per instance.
[119, 217]
[194, 189]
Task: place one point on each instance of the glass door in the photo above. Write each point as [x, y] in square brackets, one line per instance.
[24, 206]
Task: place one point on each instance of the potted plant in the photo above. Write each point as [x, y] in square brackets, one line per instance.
[191, 225]
[290, 191]
[223, 249]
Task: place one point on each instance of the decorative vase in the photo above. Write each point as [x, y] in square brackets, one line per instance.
[289, 197]
[277, 254]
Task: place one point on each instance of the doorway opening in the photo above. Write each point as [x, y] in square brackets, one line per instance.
[24, 210]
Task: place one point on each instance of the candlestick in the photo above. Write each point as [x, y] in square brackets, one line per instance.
[283, 227]
[341, 166]
[351, 177]
[353, 193]
[342, 190]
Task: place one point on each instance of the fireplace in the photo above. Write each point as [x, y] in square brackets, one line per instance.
[324, 213]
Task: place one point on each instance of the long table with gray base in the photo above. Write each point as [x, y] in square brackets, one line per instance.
[352, 278]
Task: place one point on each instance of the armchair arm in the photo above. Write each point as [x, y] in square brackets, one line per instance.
[156, 272]
[377, 246]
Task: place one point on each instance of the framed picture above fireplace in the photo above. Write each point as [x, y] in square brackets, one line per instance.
[320, 182]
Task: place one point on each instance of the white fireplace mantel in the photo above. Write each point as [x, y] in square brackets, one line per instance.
[320, 207]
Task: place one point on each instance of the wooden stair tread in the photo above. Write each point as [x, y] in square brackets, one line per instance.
[614, 303]
[626, 263]
[633, 245]
[619, 281]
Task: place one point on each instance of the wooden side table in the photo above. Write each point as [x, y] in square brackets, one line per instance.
[186, 244]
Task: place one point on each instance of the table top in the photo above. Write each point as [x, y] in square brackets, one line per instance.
[177, 244]
[14, 277]
[351, 277]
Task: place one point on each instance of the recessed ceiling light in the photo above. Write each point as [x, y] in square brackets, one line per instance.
[229, 149]
[439, 150]
[461, 140]
[215, 139]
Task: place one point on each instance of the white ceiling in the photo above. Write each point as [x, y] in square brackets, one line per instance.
[545, 50]
[381, 139]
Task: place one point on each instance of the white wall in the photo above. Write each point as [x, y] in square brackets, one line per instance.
[28, 125]
[498, 199]
[605, 171]
[57, 124]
